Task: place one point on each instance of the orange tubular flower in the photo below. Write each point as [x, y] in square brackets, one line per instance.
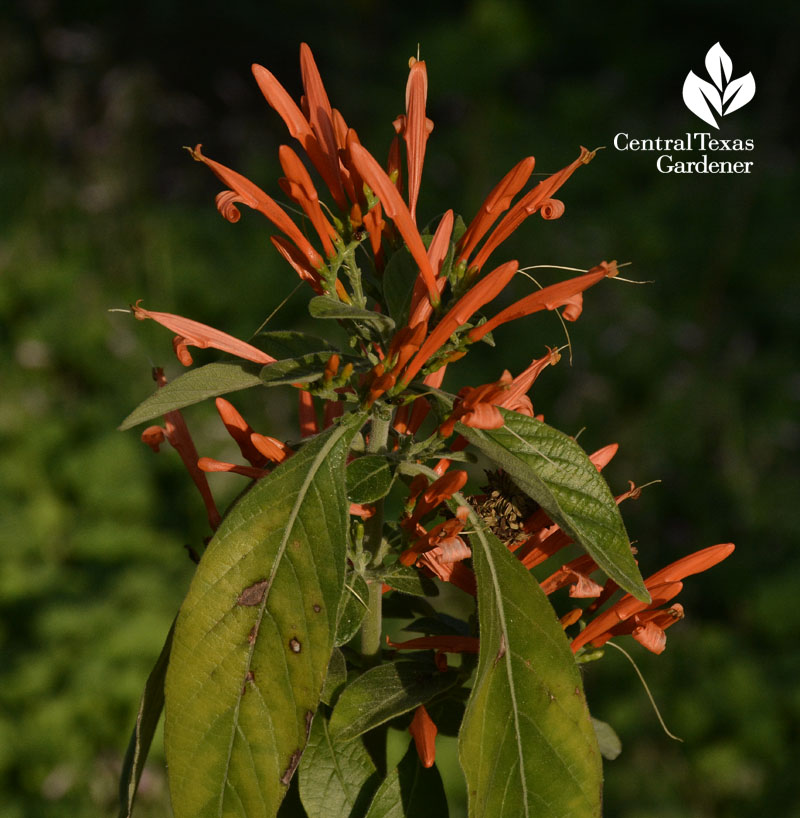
[394, 206]
[439, 491]
[320, 116]
[240, 430]
[209, 464]
[298, 262]
[469, 303]
[514, 396]
[299, 127]
[415, 128]
[476, 406]
[421, 307]
[193, 333]
[550, 298]
[424, 731]
[308, 416]
[271, 448]
[496, 203]
[243, 191]
[663, 586]
[447, 644]
[299, 187]
[176, 432]
[528, 205]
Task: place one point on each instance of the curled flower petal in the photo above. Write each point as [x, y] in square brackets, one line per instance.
[551, 209]
[254, 197]
[202, 336]
[154, 436]
[526, 206]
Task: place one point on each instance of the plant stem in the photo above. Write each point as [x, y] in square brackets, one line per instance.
[373, 535]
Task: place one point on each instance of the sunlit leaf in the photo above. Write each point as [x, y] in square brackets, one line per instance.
[352, 608]
[551, 467]
[323, 306]
[196, 385]
[254, 637]
[527, 745]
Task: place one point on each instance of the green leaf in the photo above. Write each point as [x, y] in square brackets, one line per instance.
[336, 677]
[282, 344]
[410, 791]
[332, 773]
[254, 637]
[368, 478]
[322, 306]
[526, 746]
[196, 385]
[552, 468]
[607, 739]
[352, 608]
[398, 285]
[150, 707]
[408, 580]
[384, 692]
[440, 625]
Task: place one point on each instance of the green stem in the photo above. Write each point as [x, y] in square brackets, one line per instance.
[371, 626]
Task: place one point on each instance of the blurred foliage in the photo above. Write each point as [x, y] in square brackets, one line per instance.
[696, 375]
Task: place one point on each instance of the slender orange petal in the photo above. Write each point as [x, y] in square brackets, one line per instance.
[308, 416]
[300, 188]
[602, 457]
[375, 176]
[449, 644]
[495, 203]
[416, 128]
[512, 396]
[549, 298]
[203, 336]
[321, 119]
[299, 127]
[424, 733]
[240, 430]
[299, 262]
[421, 307]
[208, 464]
[692, 563]
[250, 194]
[480, 294]
[271, 448]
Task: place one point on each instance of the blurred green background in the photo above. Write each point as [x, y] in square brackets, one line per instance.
[696, 375]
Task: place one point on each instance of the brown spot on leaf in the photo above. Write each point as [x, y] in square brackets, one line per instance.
[248, 677]
[293, 762]
[501, 651]
[317, 608]
[309, 719]
[254, 594]
[294, 645]
[251, 637]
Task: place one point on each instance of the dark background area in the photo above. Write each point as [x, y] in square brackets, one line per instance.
[696, 375]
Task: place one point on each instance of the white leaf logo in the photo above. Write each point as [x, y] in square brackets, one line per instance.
[722, 95]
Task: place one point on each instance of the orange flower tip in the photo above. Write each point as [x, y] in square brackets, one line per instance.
[589, 155]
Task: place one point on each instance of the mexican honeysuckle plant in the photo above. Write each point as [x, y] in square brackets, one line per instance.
[277, 676]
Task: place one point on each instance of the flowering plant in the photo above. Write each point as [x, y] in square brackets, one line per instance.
[276, 674]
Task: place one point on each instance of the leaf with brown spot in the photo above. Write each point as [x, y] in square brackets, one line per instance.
[230, 753]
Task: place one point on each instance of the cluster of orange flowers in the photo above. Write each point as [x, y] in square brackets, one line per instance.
[448, 291]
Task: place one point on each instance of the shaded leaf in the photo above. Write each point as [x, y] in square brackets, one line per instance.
[384, 692]
[440, 625]
[408, 580]
[244, 679]
[607, 739]
[335, 678]
[526, 746]
[410, 791]
[551, 467]
[368, 478]
[196, 385]
[150, 707]
[322, 306]
[283, 344]
[398, 285]
[352, 608]
[332, 774]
